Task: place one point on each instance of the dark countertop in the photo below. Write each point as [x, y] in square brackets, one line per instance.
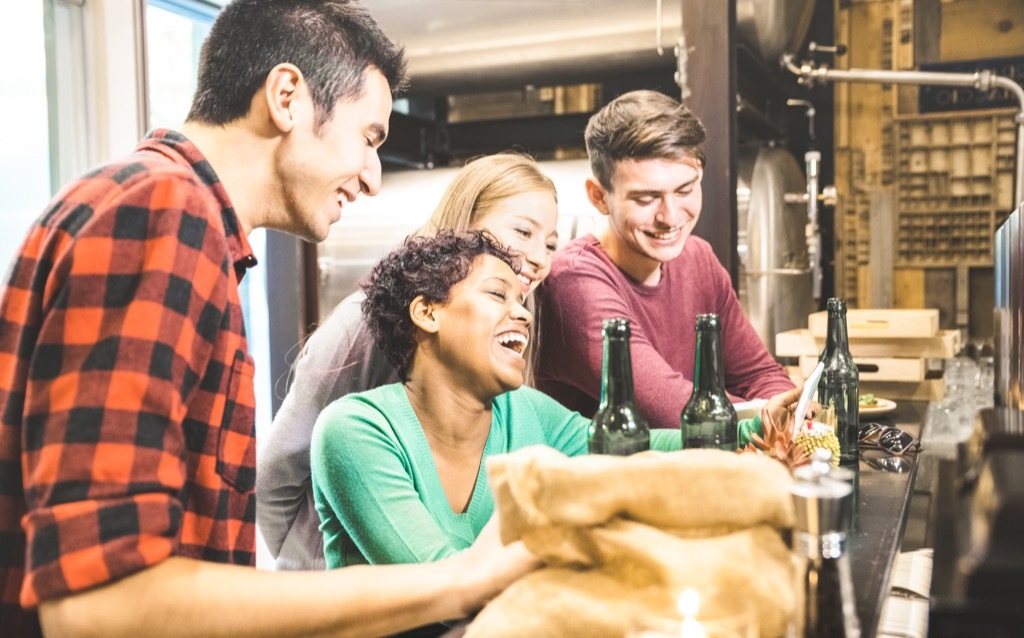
[880, 517]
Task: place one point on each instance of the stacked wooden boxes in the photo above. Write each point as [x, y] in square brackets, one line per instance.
[891, 348]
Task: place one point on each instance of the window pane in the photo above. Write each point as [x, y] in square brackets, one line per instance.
[24, 162]
[70, 134]
[173, 40]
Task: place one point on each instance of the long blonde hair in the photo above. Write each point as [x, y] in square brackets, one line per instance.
[482, 184]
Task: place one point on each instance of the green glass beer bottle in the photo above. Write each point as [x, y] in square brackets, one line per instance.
[708, 418]
[840, 381]
[618, 427]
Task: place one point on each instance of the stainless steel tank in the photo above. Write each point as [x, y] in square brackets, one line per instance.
[453, 45]
[457, 46]
[770, 28]
[775, 273]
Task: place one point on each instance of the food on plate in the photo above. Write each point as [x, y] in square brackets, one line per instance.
[868, 400]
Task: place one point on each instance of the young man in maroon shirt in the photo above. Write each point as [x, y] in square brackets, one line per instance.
[647, 156]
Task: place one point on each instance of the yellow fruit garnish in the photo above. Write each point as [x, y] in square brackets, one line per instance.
[815, 436]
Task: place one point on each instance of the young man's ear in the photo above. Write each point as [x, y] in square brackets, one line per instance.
[597, 195]
[423, 315]
[281, 92]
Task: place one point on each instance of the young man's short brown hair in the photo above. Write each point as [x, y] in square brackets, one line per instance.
[641, 125]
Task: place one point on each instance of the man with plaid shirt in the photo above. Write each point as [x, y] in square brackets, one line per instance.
[127, 447]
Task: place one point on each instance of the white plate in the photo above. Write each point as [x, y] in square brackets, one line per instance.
[884, 406]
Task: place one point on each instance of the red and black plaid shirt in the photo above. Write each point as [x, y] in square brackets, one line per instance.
[126, 389]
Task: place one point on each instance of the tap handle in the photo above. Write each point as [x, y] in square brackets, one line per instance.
[836, 50]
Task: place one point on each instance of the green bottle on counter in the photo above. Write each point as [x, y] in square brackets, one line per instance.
[840, 382]
[618, 427]
[708, 418]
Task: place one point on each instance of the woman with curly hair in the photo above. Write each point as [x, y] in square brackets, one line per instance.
[504, 194]
[398, 471]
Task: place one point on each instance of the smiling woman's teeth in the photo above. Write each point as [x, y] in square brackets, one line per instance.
[513, 341]
[526, 281]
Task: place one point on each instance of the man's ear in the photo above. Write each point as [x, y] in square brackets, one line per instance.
[423, 315]
[281, 92]
[597, 195]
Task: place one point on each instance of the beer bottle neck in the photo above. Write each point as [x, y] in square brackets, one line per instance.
[708, 374]
[837, 338]
[617, 376]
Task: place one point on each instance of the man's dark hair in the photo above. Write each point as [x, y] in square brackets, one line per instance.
[428, 266]
[333, 43]
[641, 125]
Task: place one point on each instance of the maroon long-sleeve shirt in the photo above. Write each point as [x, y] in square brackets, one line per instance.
[585, 287]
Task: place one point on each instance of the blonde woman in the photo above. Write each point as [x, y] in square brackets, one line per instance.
[505, 195]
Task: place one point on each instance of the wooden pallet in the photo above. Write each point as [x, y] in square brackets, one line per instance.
[889, 323]
[890, 347]
[877, 368]
[944, 345]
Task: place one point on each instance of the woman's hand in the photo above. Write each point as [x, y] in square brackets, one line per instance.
[779, 409]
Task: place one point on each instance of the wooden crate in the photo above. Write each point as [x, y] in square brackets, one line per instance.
[944, 345]
[876, 368]
[891, 323]
[927, 390]
[795, 375]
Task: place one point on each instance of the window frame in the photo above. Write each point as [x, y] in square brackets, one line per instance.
[192, 9]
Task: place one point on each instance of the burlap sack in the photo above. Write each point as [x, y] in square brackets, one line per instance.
[623, 536]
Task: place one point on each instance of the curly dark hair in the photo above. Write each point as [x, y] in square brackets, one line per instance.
[428, 266]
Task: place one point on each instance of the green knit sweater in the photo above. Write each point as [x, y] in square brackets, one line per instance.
[377, 489]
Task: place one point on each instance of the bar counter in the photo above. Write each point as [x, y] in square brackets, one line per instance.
[880, 518]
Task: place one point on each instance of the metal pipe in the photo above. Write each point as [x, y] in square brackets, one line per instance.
[812, 161]
[982, 80]
[1018, 92]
